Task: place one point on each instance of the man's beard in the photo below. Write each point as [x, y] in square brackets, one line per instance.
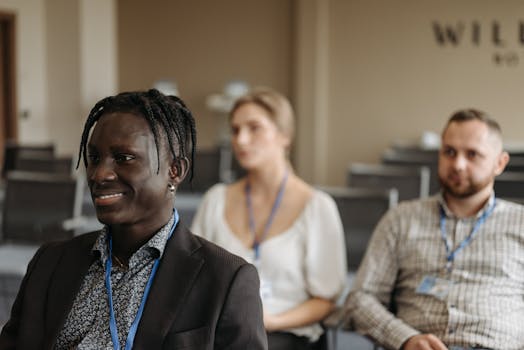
[463, 192]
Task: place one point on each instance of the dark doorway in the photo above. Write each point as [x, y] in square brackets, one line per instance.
[8, 126]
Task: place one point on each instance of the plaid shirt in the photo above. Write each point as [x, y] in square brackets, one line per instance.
[484, 306]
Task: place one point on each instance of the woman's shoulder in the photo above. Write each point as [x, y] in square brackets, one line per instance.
[322, 199]
[223, 189]
[215, 195]
[216, 190]
[301, 189]
[321, 208]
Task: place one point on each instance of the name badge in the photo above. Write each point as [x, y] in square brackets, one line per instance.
[434, 286]
[266, 289]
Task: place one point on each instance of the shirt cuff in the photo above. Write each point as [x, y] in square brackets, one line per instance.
[398, 333]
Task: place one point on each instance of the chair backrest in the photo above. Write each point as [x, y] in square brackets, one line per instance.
[9, 285]
[408, 158]
[13, 151]
[360, 210]
[36, 206]
[187, 204]
[46, 164]
[206, 171]
[516, 163]
[411, 182]
[13, 265]
[510, 185]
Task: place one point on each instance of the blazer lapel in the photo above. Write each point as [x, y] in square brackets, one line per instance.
[175, 277]
[66, 281]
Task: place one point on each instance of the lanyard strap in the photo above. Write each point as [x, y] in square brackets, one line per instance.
[112, 320]
[276, 205]
[450, 254]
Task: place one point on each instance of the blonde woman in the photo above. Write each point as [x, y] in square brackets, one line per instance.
[272, 218]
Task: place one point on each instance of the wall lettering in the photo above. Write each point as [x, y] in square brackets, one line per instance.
[506, 39]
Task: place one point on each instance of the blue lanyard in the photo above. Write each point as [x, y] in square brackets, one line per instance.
[134, 326]
[450, 254]
[276, 205]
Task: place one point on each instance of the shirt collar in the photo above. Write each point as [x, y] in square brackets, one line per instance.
[155, 246]
[449, 213]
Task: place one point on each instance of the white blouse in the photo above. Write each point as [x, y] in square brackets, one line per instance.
[307, 260]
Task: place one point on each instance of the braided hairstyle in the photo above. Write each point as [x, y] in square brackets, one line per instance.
[162, 112]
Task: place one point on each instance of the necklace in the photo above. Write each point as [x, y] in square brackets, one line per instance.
[119, 262]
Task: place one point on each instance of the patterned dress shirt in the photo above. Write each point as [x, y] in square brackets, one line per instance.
[87, 325]
[483, 302]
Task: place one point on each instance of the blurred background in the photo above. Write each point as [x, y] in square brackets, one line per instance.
[362, 74]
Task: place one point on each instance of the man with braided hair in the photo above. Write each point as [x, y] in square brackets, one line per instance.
[144, 281]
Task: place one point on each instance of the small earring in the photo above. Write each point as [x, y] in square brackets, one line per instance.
[171, 188]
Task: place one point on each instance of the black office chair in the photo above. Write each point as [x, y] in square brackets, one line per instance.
[9, 285]
[360, 210]
[187, 204]
[428, 158]
[411, 182]
[510, 185]
[206, 171]
[516, 163]
[46, 164]
[14, 150]
[13, 264]
[36, 205]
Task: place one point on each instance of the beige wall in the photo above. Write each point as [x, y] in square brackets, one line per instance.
[81, 64]
[98, 52]
[66, 60]
[311, 88]
[202, 45]
[63, 69]
[31, 68]
[389, 79]
[361, 73]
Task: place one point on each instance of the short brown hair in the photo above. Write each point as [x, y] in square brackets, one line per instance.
[465, 115]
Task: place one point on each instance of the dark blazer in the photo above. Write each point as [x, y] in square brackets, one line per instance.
[202, 297]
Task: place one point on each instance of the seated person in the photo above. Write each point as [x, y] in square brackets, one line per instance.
[144, 281]
[289, 230]
[448, 271]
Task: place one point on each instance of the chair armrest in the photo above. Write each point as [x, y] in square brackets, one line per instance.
[336, 319]
[340, 335]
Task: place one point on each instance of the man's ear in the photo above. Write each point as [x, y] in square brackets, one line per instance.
[178, 170]
[502, 161]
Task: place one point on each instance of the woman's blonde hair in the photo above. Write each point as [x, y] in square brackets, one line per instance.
[277, 105]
